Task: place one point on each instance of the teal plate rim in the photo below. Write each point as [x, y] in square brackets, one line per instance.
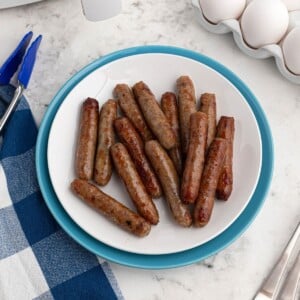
[166, 260]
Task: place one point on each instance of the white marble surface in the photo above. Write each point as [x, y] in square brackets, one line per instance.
[70, 42]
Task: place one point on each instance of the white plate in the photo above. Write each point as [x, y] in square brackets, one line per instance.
[160, 72]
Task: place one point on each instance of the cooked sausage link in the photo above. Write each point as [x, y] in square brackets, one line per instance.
[131, 109]
[225, 129]
[111, 208]
[135, 146]
[170, 109]
[87, 139]
[208, 106]
[167, 174]
[133, 183]
[209, 180]
[106, 138]
[187, 106]
[154, 116]
[195, 158]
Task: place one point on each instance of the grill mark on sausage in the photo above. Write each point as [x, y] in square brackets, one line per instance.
[87, 139]
[135, 146]
[212, 169]
[154, 116]
[110, 208]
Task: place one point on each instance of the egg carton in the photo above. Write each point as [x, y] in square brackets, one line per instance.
[233, 26]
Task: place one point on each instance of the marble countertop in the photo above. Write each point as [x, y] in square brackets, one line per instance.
[70, 42]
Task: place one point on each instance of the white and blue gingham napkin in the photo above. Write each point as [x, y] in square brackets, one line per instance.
[37, 259]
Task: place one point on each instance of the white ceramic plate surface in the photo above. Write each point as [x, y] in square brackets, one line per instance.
[160, 72]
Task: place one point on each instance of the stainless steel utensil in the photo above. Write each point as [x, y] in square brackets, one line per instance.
[270, 288]
[289, 289]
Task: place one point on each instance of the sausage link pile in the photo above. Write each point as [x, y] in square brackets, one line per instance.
[168, 149]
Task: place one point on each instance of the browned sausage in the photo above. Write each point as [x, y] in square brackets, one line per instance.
[209, 180]
[133, 183]
[111, 208]
[106, 138]
[208, 106]
[135, 146]
[170, 109]
[87, 140]
[187, 106]
[131, 109]
[195, 158]
[154, 116]
[167, 174]
[225, 130]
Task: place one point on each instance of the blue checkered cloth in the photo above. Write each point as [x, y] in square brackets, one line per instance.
[37, 259]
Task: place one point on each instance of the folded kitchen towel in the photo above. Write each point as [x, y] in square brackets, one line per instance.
[37, 259]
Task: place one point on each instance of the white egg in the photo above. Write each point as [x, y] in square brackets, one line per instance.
[292, 4]
[291, 50]
[220, 10]
[264, 22]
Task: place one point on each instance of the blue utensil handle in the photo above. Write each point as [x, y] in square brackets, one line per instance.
[12, 63]
[28, 62]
